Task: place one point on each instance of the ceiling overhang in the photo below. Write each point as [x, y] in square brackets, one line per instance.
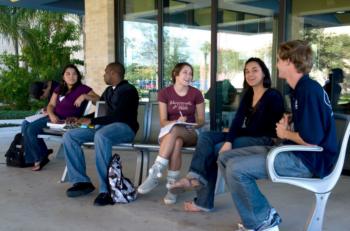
[64, 6]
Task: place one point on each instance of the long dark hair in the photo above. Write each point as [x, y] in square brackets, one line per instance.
[63, 86]
[265, 70]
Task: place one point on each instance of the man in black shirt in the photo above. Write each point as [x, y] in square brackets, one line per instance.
[119, 125]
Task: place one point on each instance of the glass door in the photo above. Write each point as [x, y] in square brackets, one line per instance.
[326, 25]
[245, 29]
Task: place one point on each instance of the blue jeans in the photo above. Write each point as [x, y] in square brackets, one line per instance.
[242, 167]
[104, 138]
[35, 149]
[204, 162]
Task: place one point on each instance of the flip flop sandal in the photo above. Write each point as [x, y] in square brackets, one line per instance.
[39, 166]
[185, 184]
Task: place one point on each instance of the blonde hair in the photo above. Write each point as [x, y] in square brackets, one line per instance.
[299, 53]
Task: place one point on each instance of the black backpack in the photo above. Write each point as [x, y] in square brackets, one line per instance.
[120, 188]
[15, 154]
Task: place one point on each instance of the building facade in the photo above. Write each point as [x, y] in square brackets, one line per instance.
[216, 37]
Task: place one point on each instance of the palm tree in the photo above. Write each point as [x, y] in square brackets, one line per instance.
[205, 48]
[14, 23]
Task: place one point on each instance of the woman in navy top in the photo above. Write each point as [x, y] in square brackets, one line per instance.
[260, 109]
[68, 100]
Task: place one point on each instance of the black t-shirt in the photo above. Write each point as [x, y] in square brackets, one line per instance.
[122, 103]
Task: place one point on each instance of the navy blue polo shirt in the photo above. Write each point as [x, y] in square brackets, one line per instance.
[313, 120]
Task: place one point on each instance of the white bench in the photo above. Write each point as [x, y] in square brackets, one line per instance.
[322, 188]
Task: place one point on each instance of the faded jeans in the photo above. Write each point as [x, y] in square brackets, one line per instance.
[104, 138]
[242, 167]
[35, 149]
[204, 163]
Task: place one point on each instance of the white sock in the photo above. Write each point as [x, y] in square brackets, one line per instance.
[159, 164]
[162, 160]
[173, 174]
[172, 177]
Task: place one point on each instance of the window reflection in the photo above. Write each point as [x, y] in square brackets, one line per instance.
[141, 45]
[245, 29]
[327, 27]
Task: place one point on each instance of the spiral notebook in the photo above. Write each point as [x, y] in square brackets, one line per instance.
[166, 129]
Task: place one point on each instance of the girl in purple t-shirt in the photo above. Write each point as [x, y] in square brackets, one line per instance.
[67, 100]
[178, 102]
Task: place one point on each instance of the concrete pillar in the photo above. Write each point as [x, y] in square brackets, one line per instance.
[99, 41]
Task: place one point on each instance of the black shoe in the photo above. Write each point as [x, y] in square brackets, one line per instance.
[49, 151]
[80, 189]
[103, 199]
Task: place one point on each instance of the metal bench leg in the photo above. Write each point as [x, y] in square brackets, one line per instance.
[145, 165]
[315, 221]
[60, 152]
[138, 171]
[64, 177]
[220, 184]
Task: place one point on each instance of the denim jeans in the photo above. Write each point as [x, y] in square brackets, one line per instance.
[204, 162]
[242, 167]
[35, 149]
[104, 138]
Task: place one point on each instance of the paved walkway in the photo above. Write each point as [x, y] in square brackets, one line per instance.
[17, 121]
[34, 201]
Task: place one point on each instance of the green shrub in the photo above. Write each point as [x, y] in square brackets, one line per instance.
[14, 114]
[14, 83]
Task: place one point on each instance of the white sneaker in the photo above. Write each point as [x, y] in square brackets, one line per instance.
[275, 228]
[148, 185]
[271, 223]
[170, 198]
[152, 181]
[242, 228]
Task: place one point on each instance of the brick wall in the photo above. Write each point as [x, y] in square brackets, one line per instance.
[99, 41]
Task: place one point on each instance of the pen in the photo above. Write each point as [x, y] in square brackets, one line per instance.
[180, 113]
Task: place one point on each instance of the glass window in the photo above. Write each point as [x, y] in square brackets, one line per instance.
[326, 25]
[245, 29]
[186, 35]
[141, 45]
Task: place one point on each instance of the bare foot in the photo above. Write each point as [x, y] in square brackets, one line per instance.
[189, 206]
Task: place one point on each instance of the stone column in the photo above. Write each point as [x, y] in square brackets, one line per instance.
[99, 41]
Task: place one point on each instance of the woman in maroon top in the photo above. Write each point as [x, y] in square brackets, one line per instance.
[68, 100]
[178, 102]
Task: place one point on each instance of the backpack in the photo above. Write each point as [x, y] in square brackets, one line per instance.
[15, 153]
[120, 188]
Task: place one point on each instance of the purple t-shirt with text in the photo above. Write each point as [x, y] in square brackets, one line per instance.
[177, 105]
[65, 104]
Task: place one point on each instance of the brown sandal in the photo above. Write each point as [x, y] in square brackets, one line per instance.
[185, 184]
[36, 167]
[39, 165]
